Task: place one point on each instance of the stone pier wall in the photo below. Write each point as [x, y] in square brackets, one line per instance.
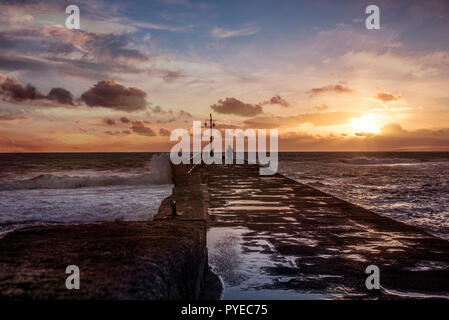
[161, 259]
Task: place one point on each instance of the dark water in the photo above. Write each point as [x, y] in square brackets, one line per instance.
[79, 187]
[40, 189]
[412, 187]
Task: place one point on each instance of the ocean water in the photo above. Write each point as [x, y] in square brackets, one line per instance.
[43, 189]
[412, 187]
[46, 189]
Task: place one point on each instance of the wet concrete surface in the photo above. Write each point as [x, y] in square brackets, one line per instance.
[271, 237]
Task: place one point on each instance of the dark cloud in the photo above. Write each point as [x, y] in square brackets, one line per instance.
[115, 46]
[61, 96]
[11, 89]
[112, 133]
[338, 88]
[386, 97]
[237, 107]
[164, 132]
[159, 110]
[364, 134]
[124, 120]
[58, 40]
[63, 66]
[183, 113]
[126, 132]
[109, 121]
[278, 100]
[139, 127]
[20, 63]
[54, 48]
[170, 76]
[111, 94]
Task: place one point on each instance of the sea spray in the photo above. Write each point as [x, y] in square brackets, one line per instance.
[161, 173]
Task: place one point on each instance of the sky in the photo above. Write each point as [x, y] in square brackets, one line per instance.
[136, 70]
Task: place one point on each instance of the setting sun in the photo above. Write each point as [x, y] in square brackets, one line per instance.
[365, 124]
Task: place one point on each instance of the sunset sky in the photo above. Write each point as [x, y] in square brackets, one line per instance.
[138, 69]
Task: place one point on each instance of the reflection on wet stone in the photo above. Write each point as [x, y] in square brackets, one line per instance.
[274, 238]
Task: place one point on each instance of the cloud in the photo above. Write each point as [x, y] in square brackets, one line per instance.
[364, 134]
[323, 107]
[396, 140]
[139, 127]
[11, 89]
[157, 109]
[277, 100]
[318, 119]
[393, 129]
[222, 33]
[164, 132]
[54, 48]
[166, 120]
[111, 94]
[124, 120]
[160, 110]
[59, 40]
[386, 97]
[155, 26]
[170, 76]
[109, 121]
[61, 96]
[400, 67]
[185, 114]
[63, 66]
[12, 116]
[237, 107]
[423, 139]
[338, 88]
[111, 133]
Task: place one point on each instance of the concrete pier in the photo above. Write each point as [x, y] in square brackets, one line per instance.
[267, 237]
[273, 238]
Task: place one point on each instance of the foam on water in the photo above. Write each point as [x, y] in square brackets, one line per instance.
[408, 187]
[160, 174]
[85, 196]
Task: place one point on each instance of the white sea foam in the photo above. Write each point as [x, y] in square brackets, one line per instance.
[65, 190]
[161, 173]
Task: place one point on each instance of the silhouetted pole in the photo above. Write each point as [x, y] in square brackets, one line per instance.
[211, 124]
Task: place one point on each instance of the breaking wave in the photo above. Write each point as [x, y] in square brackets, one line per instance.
[161, 173]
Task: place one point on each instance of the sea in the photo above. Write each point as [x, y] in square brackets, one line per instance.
[411, 187]
[74, 188]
